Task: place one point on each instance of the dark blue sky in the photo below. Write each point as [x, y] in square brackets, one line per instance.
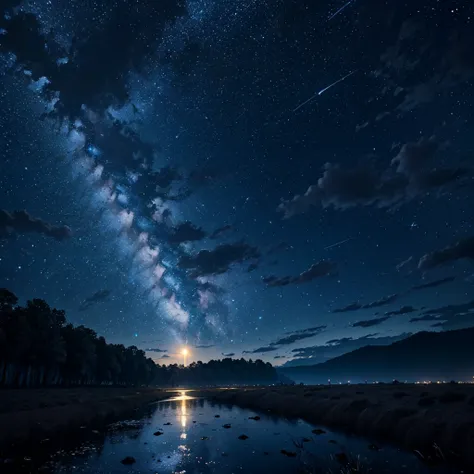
[175, 150]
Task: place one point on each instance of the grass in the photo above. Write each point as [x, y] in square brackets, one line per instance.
[416, 417]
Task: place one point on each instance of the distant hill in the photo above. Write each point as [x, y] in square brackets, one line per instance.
[447, 355]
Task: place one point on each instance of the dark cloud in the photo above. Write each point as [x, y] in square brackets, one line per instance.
[402, 310]
[20, 222]
[96, 73]
[381, 302]
[165, 356]
[426, 317]
[336, 347]
[317, 270]
[204, 176]
[348, 308]
[155, 349]
[252, 267]
[262, 350]
[374, 304]
[280, 357]
[454, 316]
[434, 284]
[313, 329]
[97, 297]
[208, 286]
[463, 249]
[410, 175]
[370, 322]
[220, 230]
[159, 184]
[230, 354]
[204, 346]
[219, 260]
[186, 232]
[422, 67]
[287, 340]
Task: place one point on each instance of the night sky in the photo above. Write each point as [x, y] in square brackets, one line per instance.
[191, 172]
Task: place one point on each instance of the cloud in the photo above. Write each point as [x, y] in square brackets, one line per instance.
[204, 346]
[463, 249]
[219, 260]
[409, 175]
[280, 357]
[434, 284]
[165, 356]
[369, 323]
[288, 339]
[317, 270]
[421, 69]
[298, 336]
[347, 309]
[220, 230]
[454, 316]
[186, 232]
[230, 354]
[374, 304]
[97, 297]
[336, 347]
[261, 350]
[96, 71]
[252, 267]
[426, 317]
[20, 222]
[155, 349]
[402, 310]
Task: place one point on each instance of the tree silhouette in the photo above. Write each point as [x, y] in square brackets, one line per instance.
[38, 347]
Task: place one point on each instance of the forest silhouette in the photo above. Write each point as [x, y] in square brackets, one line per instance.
[38, 348]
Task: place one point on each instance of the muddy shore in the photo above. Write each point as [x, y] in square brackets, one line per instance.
[414, 417]
[30, 416]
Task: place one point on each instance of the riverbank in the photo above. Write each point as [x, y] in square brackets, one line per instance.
[31, 416]
[415, 417]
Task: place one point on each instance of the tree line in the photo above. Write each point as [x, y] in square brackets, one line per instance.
[38, 347]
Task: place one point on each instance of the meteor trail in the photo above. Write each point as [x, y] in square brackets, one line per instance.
[338, 243]
[340, 10]
[321, 92]
[305, 102]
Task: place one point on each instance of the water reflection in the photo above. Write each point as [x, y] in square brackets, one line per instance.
[199, 436]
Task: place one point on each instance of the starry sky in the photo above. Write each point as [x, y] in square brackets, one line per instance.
[286, 180]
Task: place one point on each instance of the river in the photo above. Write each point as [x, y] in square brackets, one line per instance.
[184, 435]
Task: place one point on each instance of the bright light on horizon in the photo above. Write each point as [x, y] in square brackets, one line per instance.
[184, 351]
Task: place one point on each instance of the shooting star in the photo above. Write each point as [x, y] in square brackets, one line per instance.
[337, 244]
[322, 91]
[340, 10]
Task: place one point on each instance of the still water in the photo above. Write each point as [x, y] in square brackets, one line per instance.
[184, 435]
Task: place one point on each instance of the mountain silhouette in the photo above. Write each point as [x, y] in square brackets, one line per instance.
[434, 356]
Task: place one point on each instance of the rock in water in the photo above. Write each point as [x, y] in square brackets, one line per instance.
[128, 461]
[157, 433]
[243, 437]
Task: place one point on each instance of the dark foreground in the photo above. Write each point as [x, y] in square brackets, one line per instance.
[184, 434]
[435, 420]
[30, 416]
